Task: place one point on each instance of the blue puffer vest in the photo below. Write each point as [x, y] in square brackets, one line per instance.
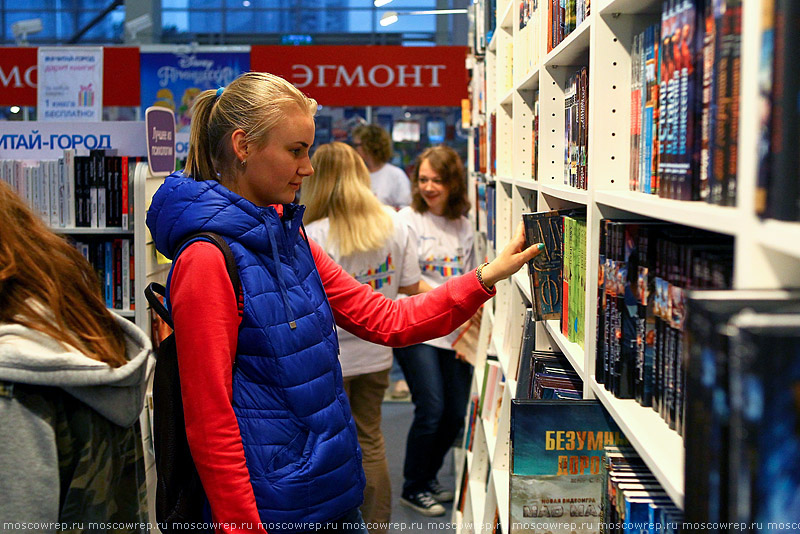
[299, 437]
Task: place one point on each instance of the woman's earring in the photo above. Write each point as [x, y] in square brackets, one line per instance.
[244, 163]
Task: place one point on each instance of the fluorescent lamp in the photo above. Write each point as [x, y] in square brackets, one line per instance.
[390, 17]
[380, 3]
[436, 12]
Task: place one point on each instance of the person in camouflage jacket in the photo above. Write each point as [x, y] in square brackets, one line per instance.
[72, 384]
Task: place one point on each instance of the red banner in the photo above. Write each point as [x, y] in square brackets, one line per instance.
[18, 76]
[370, 75]
[333, 75]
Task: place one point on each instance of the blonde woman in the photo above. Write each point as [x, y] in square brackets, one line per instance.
[267, 419]
[365, 237]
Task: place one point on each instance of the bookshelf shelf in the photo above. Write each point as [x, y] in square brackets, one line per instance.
[526, 183]
[530, 81]
[508, 97]
[660, 447]
[572, 351]
[93, 231]
[781, 236]
[492, 43]
[721, 219]
[504, 179]
[608, 7]
[563, 192]
[505, 18]
[573, 50]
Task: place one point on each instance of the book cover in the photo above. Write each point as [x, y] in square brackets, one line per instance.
[545, 270]
[765, 73]
[765, 419]
[783, 193]
[556, 455]
[707, 404]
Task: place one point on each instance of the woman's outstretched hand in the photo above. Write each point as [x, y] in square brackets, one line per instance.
[511, 259]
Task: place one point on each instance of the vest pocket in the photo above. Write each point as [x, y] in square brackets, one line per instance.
[288, 458]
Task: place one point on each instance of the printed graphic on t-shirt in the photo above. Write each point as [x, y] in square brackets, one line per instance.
[446, 266]
[379, 276]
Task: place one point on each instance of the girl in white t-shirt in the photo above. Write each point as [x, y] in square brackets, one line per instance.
[368, 240]
[439, 381]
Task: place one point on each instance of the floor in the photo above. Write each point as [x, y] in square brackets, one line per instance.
[397, 418]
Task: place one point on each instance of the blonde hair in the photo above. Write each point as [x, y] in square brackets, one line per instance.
[47, 285]
[255, 102]
[340, 190]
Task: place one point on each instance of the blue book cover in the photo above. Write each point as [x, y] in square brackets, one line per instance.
[557, 449]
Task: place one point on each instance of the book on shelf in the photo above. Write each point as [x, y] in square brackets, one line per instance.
[765, 418]
[647, 268]
[113, 260]
[777, 189]
[472, 416]
[526, 346]
[535, 137]
[631, 493]
[576, 96]
[556, 455]
[573, 279]
[710, 469]
[75, 191]
[533, 364]
[685, 102]
[563, 17]
[546, 269]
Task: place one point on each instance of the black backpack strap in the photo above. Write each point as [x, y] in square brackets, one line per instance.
[154, 290]
[230, 262]
[152, 293]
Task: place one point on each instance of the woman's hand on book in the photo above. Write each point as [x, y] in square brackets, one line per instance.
[511, 259]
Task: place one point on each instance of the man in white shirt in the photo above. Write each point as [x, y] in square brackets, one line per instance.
[389, 182]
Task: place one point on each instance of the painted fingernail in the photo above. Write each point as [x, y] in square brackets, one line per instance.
[541, 246]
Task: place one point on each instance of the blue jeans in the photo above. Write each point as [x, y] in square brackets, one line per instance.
[440, 387]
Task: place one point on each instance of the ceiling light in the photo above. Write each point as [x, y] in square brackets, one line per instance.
[390, 17]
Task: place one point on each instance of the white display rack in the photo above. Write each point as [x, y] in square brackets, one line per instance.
[766, 252]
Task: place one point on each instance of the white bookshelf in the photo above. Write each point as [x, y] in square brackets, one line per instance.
[766, 252]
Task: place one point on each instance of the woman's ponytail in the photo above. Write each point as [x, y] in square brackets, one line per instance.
[199, 162]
